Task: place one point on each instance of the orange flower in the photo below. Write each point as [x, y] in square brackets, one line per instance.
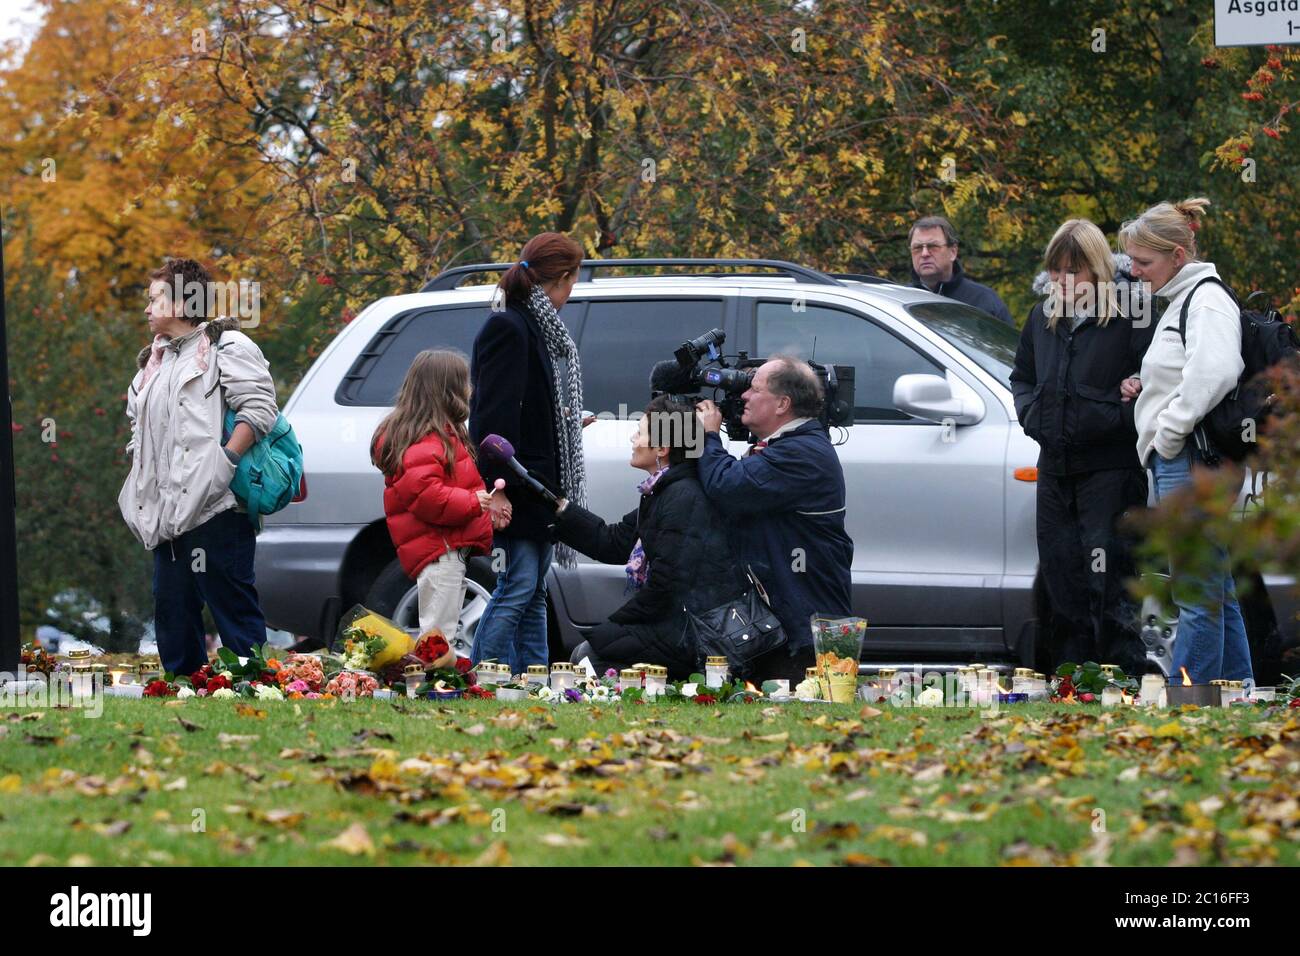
[273, 665]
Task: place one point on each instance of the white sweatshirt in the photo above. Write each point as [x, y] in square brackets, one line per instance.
[1180, 385]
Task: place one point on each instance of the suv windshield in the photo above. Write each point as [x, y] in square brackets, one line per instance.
[989, 342]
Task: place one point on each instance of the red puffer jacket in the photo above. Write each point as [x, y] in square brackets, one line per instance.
[429, 514]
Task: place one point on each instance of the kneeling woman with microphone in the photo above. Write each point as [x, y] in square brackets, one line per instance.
[674, 544]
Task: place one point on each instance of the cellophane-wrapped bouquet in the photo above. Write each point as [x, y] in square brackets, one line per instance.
[371, 641]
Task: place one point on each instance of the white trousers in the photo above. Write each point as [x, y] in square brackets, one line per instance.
[441, 588]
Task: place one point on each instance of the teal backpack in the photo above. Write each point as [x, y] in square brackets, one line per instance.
[270, 472]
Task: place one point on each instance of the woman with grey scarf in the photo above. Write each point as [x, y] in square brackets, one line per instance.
[526, 384]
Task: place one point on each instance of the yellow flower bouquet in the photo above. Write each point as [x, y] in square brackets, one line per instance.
[371, 641]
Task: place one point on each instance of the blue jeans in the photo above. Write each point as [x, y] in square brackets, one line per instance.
[1211, 640]
[512, 629]
[213, 565]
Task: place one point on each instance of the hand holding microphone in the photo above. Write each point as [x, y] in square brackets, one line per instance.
[501, 451]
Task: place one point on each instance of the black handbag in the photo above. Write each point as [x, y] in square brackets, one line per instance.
[741, 630]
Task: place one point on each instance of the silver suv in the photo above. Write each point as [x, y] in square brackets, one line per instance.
[939, 473]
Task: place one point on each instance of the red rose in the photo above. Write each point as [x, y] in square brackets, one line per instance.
[462, 664]
[216, 682]
[1295, 702]
[1087, 698]
[158, 688]
[705, 699]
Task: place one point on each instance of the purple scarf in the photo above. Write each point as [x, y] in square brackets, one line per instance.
[638, 568]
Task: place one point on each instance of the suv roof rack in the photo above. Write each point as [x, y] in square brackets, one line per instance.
[452, 278]
[862, 277]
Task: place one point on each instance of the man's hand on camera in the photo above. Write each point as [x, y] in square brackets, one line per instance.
[710, 415]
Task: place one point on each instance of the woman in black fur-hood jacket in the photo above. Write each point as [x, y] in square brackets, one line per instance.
[1076, 349]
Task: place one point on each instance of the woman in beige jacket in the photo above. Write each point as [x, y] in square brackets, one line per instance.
[177, 499]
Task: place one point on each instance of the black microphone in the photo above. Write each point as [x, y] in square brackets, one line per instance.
[669, 377]
[500, 450]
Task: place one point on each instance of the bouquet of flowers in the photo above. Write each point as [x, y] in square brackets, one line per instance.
[350, 684]
[207, 681]
[305, 669]
[371, 641]
[432, 649]
[35, 660]
[838, 645]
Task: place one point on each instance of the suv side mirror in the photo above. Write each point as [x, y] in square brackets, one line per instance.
[930, 397]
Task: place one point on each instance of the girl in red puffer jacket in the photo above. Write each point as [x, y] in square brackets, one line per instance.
[439, 512]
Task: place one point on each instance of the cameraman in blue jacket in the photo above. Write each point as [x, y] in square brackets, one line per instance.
[786, 499]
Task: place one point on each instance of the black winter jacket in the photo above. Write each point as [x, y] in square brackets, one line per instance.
[787, 507]
[691, 564]
[511, 376]
[1066, 389]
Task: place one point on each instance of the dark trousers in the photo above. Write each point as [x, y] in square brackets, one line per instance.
[1085, 562]
[213, 565]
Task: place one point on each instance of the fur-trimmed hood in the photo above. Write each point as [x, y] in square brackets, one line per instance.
[1123, 275]
[213, 329]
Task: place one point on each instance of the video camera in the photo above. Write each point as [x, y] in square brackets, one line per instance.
[699, 364]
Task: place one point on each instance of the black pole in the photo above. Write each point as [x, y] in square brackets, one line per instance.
[9, 645]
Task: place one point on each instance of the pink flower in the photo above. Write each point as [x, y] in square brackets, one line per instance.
[311, 695]
[298, 686]
[611, 673]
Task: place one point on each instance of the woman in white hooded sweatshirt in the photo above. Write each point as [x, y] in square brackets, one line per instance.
[1180, 382]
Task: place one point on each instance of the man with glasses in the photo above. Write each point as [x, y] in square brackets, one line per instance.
[933, 241]
[786, 501]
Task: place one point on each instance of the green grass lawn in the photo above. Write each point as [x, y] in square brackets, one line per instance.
[203, 782]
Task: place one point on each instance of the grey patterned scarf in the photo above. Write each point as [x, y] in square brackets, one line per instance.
[567, 389]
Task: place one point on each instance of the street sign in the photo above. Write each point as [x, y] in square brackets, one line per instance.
[1256, 22]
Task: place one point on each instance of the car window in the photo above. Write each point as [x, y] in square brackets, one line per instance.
[377, 373]
[623, 338]
[836, 337]
[989, 342]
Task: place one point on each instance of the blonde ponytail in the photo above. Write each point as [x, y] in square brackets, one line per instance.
[1166, 226]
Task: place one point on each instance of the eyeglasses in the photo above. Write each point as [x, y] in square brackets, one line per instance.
[928, 246]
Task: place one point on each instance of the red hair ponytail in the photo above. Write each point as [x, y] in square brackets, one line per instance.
[545, 258]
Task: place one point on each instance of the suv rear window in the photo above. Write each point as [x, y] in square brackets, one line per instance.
[623, 338]
[377, 373]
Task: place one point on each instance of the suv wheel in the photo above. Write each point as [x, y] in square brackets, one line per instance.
[395, 596]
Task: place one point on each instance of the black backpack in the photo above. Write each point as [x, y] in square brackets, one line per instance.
[1265, 341]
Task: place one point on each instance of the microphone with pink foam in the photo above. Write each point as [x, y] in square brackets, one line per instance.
[500, 450]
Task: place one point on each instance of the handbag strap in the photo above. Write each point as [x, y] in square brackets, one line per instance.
[758, 586]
